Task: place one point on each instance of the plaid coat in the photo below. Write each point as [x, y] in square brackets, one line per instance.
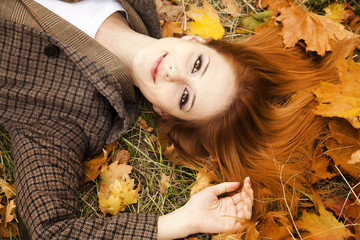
[62, 97]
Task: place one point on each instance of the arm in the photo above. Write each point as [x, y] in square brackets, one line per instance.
[206, 212]
[47, 158]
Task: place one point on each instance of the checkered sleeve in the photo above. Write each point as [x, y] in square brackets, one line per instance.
[47, 159]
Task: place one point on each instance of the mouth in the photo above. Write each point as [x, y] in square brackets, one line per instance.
[155, 66]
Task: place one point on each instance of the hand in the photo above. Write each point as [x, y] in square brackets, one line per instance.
[206, 212]
[214, 215]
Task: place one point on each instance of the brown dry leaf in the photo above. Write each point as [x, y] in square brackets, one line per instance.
[8, 189]
[168, 11]
[319, 166]
[122, 156]
[172, 29]
[355, 25]
[116, 188]
[164, 183]
[274, 5]
[203, 180]
[206, 22]
[144, 126]
[352, 211]
[318, 32]
[8, 214]
[337, 204]
[322, 226]
[276, 226]
[342, 99]
[231, 6]
[91, 168]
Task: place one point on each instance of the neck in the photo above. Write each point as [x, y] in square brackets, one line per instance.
[116, 35]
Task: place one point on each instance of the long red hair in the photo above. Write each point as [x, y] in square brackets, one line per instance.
[269, 131]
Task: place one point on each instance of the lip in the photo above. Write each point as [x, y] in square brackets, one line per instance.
[155, 66]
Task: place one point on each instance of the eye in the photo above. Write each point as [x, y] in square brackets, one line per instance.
[184, 98]
[197, 64]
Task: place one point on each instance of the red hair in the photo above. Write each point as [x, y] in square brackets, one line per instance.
[268, 132]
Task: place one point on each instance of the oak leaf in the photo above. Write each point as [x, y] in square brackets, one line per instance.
[8, 228]
[341, 99]
[318, 32]
[322, 226]
[206, 21]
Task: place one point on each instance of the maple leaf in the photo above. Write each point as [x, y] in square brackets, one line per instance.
[206, 22]
[116, 188]
[318, 32]
[121, 194]
[320, 167]
[203, 180]
[171, 29]
[338, 11]
[273, 5]
[322, 226]
[341, 99]
[275, 226]
[91, 168]
[8, 189]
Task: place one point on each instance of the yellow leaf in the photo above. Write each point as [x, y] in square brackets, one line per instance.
[318, 32]
[324, 226]
[343, 99]
[170, 29]
[206, 22]
[8, 189]
[122, 193]
[203, 180]
[337, 11]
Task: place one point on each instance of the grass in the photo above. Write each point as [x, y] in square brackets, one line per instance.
[149, 164]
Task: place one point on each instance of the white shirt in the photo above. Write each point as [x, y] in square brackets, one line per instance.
[87, 15]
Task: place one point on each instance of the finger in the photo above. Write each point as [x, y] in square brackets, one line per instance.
[247, 212]
[224, 187]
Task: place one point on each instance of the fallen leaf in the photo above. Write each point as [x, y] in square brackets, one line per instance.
[338, 11]
[355, 25]
[172, 29]
[7, 188]
[91, 168]
[164, 183]
[352, 211]
[122, 156]
[319, 167]
[231, 6]
[168, 11]
[116, 188]
[143, 125]
[342, 99]
[8, 214]
[203, 180]
[355, 157]
[322, 226]
[206, 21]
[337, 204]
[121, 194]
[274, 5]
[276, 226]
[318, 32]
[255, 20]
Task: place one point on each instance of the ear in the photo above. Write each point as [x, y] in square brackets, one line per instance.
[196, 39]
[162, 114]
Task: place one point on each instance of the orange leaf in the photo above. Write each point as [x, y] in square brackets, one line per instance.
[274, 5]
[317, 31]
[172, 29]
[203, 180]
[324, 226]
[275, 226]
[143, 125]
[341, 99]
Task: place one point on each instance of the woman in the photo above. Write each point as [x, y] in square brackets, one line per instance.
[64, 95]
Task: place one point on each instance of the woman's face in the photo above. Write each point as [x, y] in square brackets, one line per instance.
[184, 78]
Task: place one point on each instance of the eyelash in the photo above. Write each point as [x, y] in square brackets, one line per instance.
[197, 64]
[184, 98]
